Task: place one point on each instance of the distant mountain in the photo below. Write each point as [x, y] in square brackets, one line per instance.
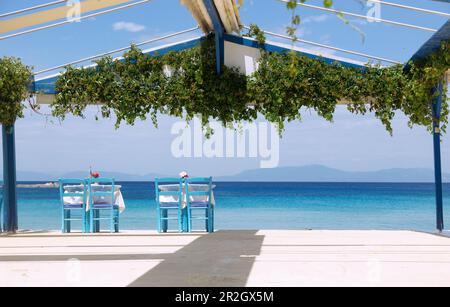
[32, 176]
[36, 176]
[319, 173]
[309, 173]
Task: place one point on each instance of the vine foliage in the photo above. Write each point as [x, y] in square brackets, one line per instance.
[15, 79]
[181, 84]
[184, 84]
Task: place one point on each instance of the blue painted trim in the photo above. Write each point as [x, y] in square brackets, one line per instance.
[10, 220]
[244, 41]
[177, 47]
[219, 34]
[47, 85]
[31, 87]
[220, 53]
[437, 109]
[434, 43]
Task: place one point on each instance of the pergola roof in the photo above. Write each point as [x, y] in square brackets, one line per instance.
[221, 17]
[227, 11]
[46, 85]
[434, 42]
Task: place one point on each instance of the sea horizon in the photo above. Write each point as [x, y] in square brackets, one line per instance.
[250, 181]
[269, 205]
[303, 173]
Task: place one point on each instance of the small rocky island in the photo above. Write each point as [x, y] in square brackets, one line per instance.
[48, 185]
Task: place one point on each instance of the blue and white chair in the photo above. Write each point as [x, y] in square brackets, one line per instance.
[200, 200]
[77, 194]
[102, 200]
[169, 200]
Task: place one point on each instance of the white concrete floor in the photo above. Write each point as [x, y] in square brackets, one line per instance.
[226, 258]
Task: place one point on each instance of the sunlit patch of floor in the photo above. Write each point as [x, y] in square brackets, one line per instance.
[226, 258]
[53, 259]
[73, 273]
[351, 258]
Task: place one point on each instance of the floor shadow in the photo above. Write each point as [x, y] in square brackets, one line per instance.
[444, 234]
[224, 259]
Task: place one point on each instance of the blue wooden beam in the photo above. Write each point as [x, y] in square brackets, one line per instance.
[219, 33]
[437, 109]
[244, 41]
[46, 85]
[434, 43]
[10, 220]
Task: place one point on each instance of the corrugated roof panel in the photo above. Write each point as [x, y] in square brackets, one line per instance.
[227, 10]
[229, 15]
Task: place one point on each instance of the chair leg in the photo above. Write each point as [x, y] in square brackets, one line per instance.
[67, 221]
[165, 221]
[180, 220]
[158, 216]
[189, 220]
[88, 221]
[207, 220]
[111, 221]
[91, 218]
[210, 220]
[116, 223]
[83, 221]
[184, 220]
[97, 221]
[63, 221]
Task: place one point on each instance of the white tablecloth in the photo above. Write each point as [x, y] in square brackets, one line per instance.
[97, 200]
[192, 187]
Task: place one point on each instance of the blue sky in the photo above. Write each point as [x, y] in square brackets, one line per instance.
[351, 142]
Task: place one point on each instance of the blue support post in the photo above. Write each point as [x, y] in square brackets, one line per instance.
[220, 52]
[10, 220]
[219, 33]
[437, 108]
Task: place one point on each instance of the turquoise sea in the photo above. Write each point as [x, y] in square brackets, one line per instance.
[271, 206]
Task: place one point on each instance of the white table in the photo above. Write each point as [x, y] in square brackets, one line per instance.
[192, 188]
[97, 199]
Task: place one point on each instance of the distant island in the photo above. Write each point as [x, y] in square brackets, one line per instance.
[308, 173]
[320, 173]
